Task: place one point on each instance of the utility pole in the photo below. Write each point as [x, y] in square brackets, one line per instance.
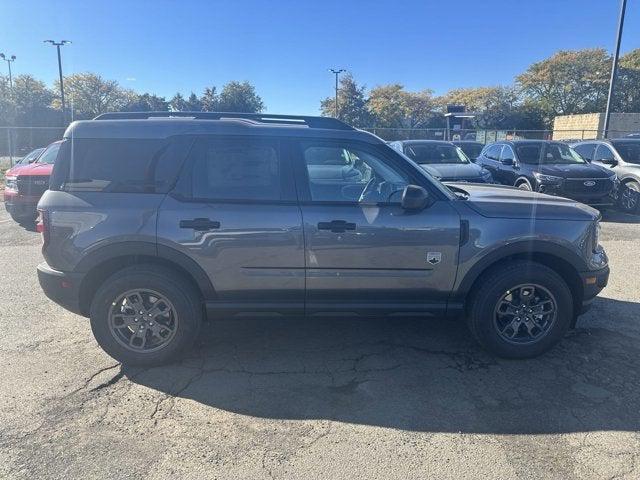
[10, 59]
[58, 45]
[337, 73]
[614, 68]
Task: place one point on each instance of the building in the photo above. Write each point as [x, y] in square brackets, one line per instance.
[591, 125]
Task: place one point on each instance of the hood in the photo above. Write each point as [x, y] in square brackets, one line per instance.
[34, 169]
[509, 202]
[576, 170]
[457, 171]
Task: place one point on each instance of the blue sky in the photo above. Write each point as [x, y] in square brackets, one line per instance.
[285, 47]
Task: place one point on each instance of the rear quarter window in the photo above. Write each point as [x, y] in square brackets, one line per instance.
[120, 165]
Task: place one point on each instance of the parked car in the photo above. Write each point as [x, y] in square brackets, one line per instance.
[443, 160]
[622, 156]
[549, 167]
[150, 224]
[30, 157]
[470, 148]
[25, 184]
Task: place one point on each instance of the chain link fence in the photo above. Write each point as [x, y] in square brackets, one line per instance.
[493, 135]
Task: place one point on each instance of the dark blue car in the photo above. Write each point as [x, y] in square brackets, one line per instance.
[549, 167]
[443, 160]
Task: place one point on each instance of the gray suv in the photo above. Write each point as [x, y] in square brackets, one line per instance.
[622, 155]
[153, 224]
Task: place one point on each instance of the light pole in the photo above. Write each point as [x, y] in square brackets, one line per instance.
[58, 45]
[337, 73]
[10, 59]
[614, 67]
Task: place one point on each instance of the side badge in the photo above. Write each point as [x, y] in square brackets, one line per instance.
[434, 257]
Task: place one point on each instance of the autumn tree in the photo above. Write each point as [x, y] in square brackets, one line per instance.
[394, 107]
[568, 82]
[239, 97]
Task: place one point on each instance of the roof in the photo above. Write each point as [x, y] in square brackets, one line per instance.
[418, 141]
[151, 125]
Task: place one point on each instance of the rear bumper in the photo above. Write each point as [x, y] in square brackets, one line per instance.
[61, 287]
[592, 284]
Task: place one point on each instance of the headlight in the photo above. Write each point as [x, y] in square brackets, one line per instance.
[547, 178]
[596, 235]
[11, 183]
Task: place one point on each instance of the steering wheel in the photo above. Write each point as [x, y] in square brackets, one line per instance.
[368, 189]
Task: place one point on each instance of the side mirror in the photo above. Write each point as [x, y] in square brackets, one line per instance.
[414, 198]
[612, 162]
[508, 162]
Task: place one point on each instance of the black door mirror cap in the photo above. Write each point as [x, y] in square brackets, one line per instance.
[415, 198]
[612, 162]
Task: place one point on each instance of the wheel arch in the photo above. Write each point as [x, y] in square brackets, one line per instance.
[560, 259]
[104, 262]
[522, 179]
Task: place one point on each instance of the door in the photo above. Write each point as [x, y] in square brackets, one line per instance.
[491, 160]
[586, 150]
[364, 253]
[508, 173]
[234, 212]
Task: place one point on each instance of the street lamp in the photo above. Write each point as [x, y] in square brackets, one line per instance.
[10, 59]
[336, 73]
[58, 45]
[614, 68]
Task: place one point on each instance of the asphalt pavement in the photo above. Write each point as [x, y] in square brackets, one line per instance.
[316, 398]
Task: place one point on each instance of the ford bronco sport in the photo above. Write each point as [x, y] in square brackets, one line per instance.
[155, 221]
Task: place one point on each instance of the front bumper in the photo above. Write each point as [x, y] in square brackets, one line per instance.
[594, 199]
[61, 287]
[592, 284]
[20, 205]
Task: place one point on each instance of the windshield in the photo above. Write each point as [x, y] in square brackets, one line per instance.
[30, 157]
[554, 154]
[436, 153]
[629, 151]
[50, 154]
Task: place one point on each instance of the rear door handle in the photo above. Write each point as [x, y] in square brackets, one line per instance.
[336, 226]
[200, 224]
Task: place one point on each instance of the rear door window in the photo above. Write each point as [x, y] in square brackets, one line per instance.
[236, 169]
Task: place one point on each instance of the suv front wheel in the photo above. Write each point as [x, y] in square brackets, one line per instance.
[146, 315]
[520, 310]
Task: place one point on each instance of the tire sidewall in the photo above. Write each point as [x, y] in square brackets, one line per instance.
[486, 299]
[625, 186]
[180, 294]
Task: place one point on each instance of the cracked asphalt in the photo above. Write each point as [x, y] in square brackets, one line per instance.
[317, 398]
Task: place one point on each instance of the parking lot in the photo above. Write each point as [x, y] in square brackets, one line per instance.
[320, 398]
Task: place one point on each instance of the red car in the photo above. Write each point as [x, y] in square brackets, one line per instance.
[25, 184]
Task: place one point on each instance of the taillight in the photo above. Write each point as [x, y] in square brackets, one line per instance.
[42, 225]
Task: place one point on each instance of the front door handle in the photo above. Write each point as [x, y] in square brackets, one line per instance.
[336, 226]
[200, 224]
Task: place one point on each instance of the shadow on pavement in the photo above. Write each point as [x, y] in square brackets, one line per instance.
[410, 374]
[616, 216]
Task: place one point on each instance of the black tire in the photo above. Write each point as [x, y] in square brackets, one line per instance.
[24, 219]
[184, 298]
[629, 204]
[490, 290]
[524, 185]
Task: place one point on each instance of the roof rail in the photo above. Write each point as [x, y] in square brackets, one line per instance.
[265, 118]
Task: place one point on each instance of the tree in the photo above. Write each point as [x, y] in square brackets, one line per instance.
[147, 103]
[627, 92]
[193, 103]
[239, 97]
[88, 95]
[178, 103]
[352, 103]
[209, 100]
[393, 107]
[568, 82]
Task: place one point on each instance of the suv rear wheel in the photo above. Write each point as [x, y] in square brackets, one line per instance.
[520, 310]
[629, 199]
[146, 315]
